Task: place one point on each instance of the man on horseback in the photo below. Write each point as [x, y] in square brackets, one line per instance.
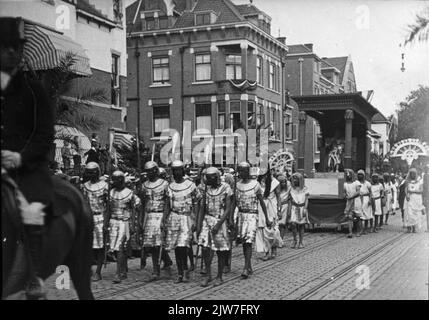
[27, 132]
[96, 192]
[122, 202]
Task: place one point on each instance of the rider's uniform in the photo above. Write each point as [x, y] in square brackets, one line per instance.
[155, 194]
[122, 204]
[96, 194]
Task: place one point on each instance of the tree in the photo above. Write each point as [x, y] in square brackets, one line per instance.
[72, 108]
[419, 29]
[413, 115]
[128, 155]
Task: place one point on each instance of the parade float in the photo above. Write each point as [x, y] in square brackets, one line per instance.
[345, 123]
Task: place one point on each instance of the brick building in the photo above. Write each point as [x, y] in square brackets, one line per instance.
[94, 30]
[308, 74]
[208, 63]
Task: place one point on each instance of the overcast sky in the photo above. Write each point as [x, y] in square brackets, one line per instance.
[370, 31]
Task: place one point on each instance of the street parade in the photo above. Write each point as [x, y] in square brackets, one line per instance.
[244, 188]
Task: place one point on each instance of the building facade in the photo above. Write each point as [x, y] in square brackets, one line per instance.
[96, 28]
[381, 125]
[308, 74]
[206, 65]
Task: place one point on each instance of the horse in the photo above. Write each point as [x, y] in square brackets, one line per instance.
[67, 240]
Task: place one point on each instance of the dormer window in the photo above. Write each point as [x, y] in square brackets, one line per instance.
[163, 22]
[150, 23]
[202, 18]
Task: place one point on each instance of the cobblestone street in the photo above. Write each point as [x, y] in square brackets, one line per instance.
[329, 267]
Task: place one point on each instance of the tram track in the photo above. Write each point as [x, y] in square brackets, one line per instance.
[196, 290]
[264, 266]
[349, 268]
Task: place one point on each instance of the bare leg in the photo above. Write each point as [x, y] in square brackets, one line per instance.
[177, 253]
[207, 256]
[99, 254]
[247, 248]
[155, 260]
[294, 235]
[221, 259]
[301, 236]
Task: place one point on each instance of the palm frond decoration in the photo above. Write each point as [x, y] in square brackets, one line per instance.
[419, 29]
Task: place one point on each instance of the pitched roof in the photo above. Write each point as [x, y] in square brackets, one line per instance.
[339, 63]
[299, 48]
[84, 5]
[379, 117]
[247, 9]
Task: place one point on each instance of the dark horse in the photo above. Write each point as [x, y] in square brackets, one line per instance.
[67, 240]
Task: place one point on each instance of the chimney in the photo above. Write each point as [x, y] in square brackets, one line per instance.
[282, 39]
[309, 46]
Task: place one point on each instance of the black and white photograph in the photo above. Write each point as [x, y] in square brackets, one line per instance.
[225, 152]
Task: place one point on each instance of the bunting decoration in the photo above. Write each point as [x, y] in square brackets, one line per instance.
[243, 85]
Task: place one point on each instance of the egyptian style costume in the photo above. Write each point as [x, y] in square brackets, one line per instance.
[122, 205]
[96, 194]
[215, 209]
[247, 203]
[155, 194]
[183, 198]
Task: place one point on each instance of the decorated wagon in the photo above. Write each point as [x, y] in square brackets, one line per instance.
[345, 124]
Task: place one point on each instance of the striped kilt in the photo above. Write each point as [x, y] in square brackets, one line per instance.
[152, 230]
[178, 231]
[119, 234]
[98, 232]
[219, 241]
[247, 226]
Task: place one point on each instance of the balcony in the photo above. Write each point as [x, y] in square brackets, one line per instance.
[240, 85]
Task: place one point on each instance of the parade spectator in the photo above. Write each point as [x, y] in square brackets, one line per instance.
[376, 196]
[362, 202]
[413, 201]
[351, 212]
[285, 188]
[297, 209]
[93, 153]
[104, 158]
[66, 154]
[268, 239]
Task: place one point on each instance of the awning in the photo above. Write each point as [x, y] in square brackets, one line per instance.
[45, 48]
[67, 133]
